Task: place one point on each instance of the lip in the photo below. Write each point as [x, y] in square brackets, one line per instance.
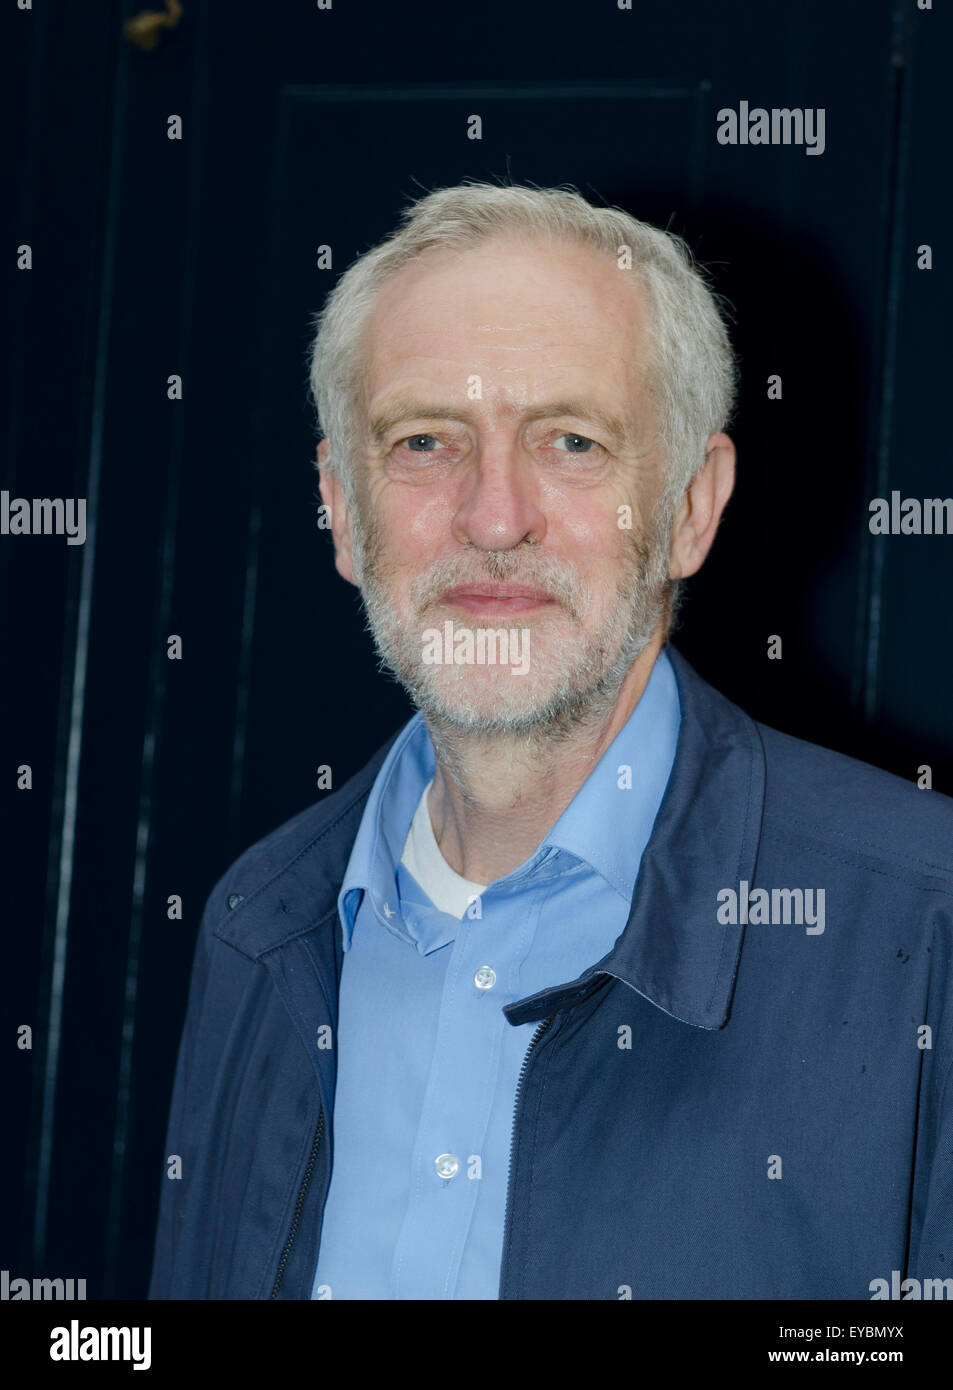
[496, 598]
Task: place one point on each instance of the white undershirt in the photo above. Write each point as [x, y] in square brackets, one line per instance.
[422, 858]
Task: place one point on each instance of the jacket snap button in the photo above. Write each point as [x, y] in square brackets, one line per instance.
[234, 899]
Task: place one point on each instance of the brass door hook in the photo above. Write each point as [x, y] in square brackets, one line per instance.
[146, 27]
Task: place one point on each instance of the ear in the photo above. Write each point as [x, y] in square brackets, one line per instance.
[701, 508]
[332, 495]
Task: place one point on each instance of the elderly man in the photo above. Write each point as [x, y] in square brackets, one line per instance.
[588, 986]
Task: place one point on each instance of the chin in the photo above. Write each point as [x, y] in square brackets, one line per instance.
[501, 703]
[500, 695]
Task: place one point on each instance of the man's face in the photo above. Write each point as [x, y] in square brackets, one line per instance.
[507, 430]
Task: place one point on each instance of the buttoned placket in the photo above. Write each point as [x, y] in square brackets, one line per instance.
[452, 1169]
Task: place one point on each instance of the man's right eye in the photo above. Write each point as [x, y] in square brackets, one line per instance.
[413, 440]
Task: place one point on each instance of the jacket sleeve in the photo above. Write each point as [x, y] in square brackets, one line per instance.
[931, 1225]
[931, 1246]
[173, 1190]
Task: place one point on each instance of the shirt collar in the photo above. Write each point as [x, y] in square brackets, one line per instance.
[609, 820]
[373, 865]
[598, 828]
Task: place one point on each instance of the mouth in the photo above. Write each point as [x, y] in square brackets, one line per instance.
[497, 598]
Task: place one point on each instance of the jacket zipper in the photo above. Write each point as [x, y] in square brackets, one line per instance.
[302, 1193]
[516, 1105]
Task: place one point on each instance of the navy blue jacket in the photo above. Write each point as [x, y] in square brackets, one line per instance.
[714, 1110]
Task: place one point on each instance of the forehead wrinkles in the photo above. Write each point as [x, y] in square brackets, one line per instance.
[401, 341]
[394, 340]
[573, 278]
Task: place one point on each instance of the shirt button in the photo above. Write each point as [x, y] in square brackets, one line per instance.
[234, 899]
[447, 1165]
[485, 977]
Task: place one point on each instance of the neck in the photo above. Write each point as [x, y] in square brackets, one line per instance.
[494, 797]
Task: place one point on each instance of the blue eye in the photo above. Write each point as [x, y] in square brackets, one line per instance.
[415, 439]
[577, 439]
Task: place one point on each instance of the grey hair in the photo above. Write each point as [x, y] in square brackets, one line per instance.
[692, 373]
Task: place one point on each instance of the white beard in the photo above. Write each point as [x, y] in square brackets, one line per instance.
[575, 676]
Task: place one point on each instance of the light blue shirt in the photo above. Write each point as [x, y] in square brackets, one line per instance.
[427, 1064]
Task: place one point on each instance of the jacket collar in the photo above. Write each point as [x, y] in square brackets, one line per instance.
[672, 951]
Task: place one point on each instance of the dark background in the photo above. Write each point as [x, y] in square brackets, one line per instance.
[305, 127]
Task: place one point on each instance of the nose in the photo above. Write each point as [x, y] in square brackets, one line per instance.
[500, 510]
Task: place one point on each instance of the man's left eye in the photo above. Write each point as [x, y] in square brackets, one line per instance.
[578, 444]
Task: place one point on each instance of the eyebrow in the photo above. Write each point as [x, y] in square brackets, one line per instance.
[406, 408]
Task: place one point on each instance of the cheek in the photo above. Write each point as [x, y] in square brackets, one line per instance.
[589, 534]
[416, 529]
[427, 523]
[407, 523]
[413, 536]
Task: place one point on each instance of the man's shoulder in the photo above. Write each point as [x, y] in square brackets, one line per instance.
[818, 797]
[815, 793]
[328, 826]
